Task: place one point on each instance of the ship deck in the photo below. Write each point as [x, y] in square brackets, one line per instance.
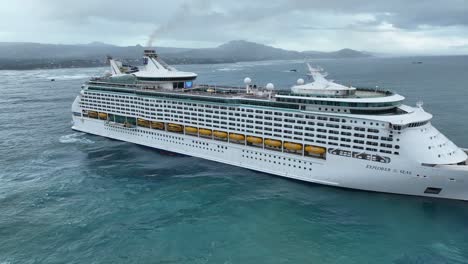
[259, 93]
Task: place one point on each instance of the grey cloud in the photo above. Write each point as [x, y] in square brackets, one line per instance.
[322, 24]
[404, 13]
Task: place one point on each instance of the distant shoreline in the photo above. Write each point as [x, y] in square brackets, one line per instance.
[52, 64]
[27, 56]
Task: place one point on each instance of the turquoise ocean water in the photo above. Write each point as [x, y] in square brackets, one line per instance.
[67, 197]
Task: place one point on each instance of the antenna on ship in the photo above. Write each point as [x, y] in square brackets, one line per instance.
[270, 87]
[420, 104]
[247, 82]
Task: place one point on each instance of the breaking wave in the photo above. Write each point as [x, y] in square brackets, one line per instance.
[75, 138]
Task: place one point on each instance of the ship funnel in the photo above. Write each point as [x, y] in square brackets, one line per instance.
[150, 53]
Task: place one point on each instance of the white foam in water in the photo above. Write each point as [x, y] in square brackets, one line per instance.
[75, 138]
[69, 77]
[229, 69]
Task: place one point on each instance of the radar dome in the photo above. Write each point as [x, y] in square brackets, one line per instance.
[247, 80]
[270, 86]
[300, 81]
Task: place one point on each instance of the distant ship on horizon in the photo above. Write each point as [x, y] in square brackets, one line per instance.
[321, 132]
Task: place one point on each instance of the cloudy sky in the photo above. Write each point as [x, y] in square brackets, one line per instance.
[391, 26]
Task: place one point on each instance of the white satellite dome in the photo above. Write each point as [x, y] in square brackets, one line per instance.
[270, 86]
[300, 81]
[247, 80]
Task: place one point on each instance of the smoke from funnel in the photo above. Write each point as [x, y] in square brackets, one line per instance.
[182, 15]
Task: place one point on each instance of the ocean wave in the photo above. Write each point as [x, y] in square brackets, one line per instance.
[69, 77]
[75, 138]
[229, 69]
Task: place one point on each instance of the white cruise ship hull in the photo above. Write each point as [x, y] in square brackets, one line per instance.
[398, 177]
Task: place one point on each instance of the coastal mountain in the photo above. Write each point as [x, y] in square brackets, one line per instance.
[343, 53]
[241, 50]
[23, 55]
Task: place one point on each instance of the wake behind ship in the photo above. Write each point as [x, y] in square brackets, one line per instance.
[320, 132]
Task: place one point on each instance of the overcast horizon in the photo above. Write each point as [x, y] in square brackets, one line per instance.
[394, 27]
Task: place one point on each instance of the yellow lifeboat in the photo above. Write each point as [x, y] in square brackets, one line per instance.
[143, 123]
[315, 150]
[293, 146]
[157, 125]
[175, 128]
[220, 134]
[103, 116]
[237, 137]
[93, 114]
[191, 130]
[205, 132]
[254, 140]
[273, 143]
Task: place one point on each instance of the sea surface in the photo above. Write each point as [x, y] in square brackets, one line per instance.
[68, 197]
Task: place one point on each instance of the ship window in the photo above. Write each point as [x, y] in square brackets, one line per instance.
[432, 190]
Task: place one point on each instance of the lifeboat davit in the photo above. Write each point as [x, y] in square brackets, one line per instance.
[174, 128]
[293, 146]
[103, 116]
[205, 132]
[315, 150]
[254, 140]
[220, 134]
[191, 130]
[273, 143]
[157, 125]
[237, 137]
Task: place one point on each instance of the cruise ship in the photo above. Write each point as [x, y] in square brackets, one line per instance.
[317, 131]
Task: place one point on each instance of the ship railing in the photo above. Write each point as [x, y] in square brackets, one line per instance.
[377, 90]
[221, 88]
